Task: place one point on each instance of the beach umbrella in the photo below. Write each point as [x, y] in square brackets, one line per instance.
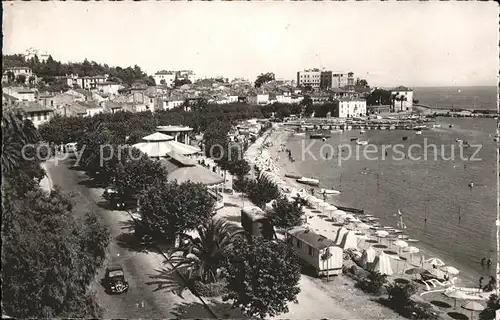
[400, 244]
[473, 306]
[339, 213]
[411, 250]
[449, 269]
[403, 237]
[455, 295]
[435, 262]
[323, 205]
[413, 240]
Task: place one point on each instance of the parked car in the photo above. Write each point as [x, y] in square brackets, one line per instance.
[114, 280]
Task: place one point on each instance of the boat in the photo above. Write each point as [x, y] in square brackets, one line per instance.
[436, 126]
[362, 131]
[383, 127]
[405, 138]
[354, 139]
[362, 142]
[392, 127]
[299, 134]
[419, 128]
[319, 136]
[450, 126]
[352, 210]
[349, 127]
[336, 131]
[329, 191]
[418, 132]
[308, 181]
[293, 176]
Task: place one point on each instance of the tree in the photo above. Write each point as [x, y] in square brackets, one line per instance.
[10, 76]
[239, 168]
[21, 79]
[262, 190]
[216, 139]
[286, 214]
[170, 209]
[31, 79]
[136, 173]
[180, 82]
[361, 83]
[205, 255]
[379, 97]
[400, 294]
[264, 78]
[49, 278]
[492, 306]
[262, 277]
[307, 103]
[373, 283]
[16, 133]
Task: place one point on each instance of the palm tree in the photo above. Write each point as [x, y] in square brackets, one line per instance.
[203, 256]
[15, 134]
[402, 99]
[393, 98]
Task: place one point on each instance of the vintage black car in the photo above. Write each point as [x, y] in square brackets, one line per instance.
[114, 280]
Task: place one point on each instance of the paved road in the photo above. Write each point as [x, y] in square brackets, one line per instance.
[148, 297]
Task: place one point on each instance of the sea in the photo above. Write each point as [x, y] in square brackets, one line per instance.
[457, 97]
[430, 185]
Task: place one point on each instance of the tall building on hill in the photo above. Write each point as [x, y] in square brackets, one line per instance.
[168, 78]
[325, 79]
[31, 53]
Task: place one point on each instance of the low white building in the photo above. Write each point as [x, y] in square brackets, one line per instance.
[349, 107]
[258, 98]
[164, 77]
[35, 112]
[402, 99]
[316, 250]
[20, 93]
[19, 71]
[109, 87]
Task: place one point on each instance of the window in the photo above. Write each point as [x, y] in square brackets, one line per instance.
[311, 251]
[51, 103]
[299, 244]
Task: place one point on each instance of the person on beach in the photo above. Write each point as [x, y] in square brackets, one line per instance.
[489, 262]
[480, 283]
[483, 260]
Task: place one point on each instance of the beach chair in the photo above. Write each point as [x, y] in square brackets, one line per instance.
[434, 283]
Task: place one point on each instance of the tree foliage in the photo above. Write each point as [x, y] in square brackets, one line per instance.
[379, 97]
[264, 78]
[492, 306]
[49, 278]
[202, 257]
[308, 106]
[286, 214]
[137, 173]
[170, 209]
[262, 277]
[373, 283]
[262, 190]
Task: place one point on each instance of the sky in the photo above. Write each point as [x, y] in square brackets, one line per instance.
[388, 43]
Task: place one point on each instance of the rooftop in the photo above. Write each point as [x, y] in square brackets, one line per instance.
[401, 88]
[311, 238]
[173, 128]
[30, 106]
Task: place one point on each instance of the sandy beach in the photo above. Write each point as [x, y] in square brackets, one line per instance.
[272, 160]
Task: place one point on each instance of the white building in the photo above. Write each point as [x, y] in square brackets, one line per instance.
[349, 107]
[316, 250]
[310, 77]
[20, 93]
[31, 53]
[19, 71]
[258, 98]
[403, 99]
[165, 78]
[109, 87]
[85, 82]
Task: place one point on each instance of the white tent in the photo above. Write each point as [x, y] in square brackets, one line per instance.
[382, 264]
[340, 235]
[368, 257]
[349, 241]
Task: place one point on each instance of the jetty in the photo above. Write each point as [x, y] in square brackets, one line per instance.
[388, 123]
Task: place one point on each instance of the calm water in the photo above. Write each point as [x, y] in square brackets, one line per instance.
[458, 97]
[437, 189]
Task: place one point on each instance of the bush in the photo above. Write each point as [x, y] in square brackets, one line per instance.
[373, 283]
[419, 310]
[215, 289]
[399, 294]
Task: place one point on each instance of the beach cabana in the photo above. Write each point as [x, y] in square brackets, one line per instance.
[382, 264]
[340, 235]
[368, 257]
[349, 241]
[316, 250]
[158, 145]
[255, 222]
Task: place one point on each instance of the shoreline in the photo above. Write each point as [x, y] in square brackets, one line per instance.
[279, 165]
